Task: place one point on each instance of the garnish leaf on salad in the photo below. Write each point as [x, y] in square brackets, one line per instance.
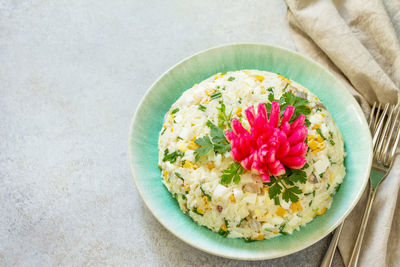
[217, 142]
[232, 173]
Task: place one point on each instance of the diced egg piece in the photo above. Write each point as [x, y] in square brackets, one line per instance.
[220, 191]
[250, 198]
[321, 165]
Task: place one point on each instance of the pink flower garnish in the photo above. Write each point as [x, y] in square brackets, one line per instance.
[271, 144]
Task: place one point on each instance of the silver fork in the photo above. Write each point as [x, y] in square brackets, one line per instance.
[385, 145]
[377, 122]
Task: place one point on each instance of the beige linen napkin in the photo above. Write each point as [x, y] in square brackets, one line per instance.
[358, 40]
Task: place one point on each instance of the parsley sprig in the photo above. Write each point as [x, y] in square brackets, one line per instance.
[218, 142]
[224, 120]
[232, 173]
[285, 184]
[288, 98]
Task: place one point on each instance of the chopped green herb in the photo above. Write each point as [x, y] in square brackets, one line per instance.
[176, 195]
[224, 120]
[307, 194]
[277, 202]
[332, 142]
[163, 131]
[195, 211]
[305, 166]
[271, 89]
[330, 134]
[286, 86]
[204, 193]
[241, 220]
[202, 108]
[233, 173]
[179, 176]
[337, 187]
[173, 156]
[281, 228]
[313, 193]
[327, 187]
[240, 100]
[226, 223]
[231, 78]
[249, 240]
[223, 233]
[175, 111]
[309, 204]
[321, 175]
[318, 109]
[179, 138]
[307, 122]
[183, 162]
[215, 95]
[320, 133]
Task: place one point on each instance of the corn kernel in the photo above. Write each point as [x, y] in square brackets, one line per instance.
[323, 115]
[165, 126]
[223, 227]
[172, 129]
[159, 166]
[193, 146]
[313, 145]
[239, 111]
[321, 212]
[171, 119]
[165, 174]
[188, 165]
[275, 232]
[210, 166]
[259, 237]
[259, 78]
[201, 211]
[263, 91]
[330, 177]
[232, 198]
[319, 139]
[316, 126]
[293, 207]
[328, 198]
[245, 72]
[280, 211]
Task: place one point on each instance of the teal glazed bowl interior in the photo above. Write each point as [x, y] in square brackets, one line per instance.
[148, 120]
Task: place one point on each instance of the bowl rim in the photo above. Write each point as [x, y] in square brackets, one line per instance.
[281, 253]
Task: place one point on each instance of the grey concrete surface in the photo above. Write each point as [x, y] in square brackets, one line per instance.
[71, 75]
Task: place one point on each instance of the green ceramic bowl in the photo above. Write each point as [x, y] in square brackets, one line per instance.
[148, 120]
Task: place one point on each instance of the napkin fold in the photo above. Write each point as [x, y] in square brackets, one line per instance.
[358, 41]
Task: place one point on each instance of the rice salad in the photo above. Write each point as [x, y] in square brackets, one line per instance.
[201, 170]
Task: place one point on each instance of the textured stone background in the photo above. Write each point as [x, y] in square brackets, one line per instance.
[71, 75]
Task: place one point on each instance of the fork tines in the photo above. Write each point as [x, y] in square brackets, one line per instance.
[385, 126]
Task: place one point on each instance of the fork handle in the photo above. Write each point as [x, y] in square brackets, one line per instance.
[330, 252]
[357, 246]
